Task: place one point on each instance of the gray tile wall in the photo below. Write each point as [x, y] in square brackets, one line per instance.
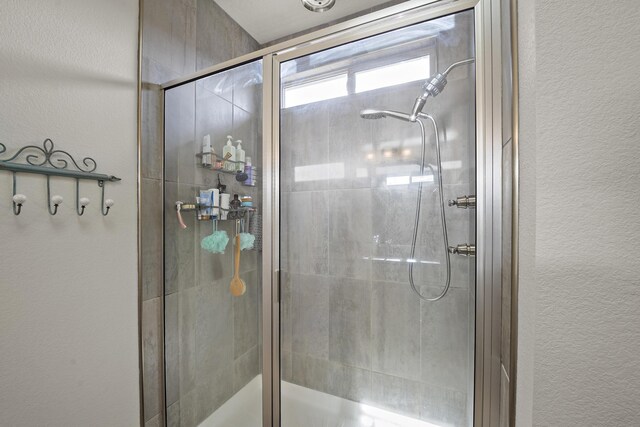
[351, 325]
[180, 37]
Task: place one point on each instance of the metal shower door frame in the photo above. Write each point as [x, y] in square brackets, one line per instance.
[488, 183]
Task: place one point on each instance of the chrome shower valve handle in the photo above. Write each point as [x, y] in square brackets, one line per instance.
[464, 249]
[464, 202]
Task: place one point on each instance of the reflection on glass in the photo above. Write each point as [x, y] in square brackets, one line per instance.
[319, 172]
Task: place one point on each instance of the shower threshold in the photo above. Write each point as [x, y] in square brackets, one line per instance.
[302, 406]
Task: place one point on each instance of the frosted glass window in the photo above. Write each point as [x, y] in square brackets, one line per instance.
[318, 90]
[394, 74]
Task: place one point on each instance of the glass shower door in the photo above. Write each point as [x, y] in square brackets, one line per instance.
[376, 316]
[213, 338]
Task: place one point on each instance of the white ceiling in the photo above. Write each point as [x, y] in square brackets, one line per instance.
[268, 20]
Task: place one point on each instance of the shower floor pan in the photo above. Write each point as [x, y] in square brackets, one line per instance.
[304, 407]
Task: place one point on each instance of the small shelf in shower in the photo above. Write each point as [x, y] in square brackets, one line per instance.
[235, 214]
[218, 163]
[215, 159]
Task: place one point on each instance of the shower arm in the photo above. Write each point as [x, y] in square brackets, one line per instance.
[458, 64]
[433, 86]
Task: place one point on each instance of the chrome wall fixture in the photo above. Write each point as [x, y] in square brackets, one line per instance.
[318, 5]
[464, 202]
[464, 249]
[45, 160]
[434, 86]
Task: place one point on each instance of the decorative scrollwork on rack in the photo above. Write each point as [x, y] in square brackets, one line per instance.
[48, 161]
[48, 156]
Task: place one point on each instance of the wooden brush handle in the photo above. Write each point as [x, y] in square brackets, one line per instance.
[237, 286]
[237, 257]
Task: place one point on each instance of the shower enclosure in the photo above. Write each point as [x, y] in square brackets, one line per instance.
[372, 194]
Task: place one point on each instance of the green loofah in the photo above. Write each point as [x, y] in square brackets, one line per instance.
[246, 240]
[216, 242]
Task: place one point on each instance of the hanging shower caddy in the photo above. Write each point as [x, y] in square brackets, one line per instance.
[232, 214]
[47, 161]
[218, 165]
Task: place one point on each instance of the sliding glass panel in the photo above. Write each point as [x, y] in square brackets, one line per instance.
[377, 318]
[212, 337]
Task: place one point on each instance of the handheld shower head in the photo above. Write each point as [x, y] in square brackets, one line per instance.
[372, 114]
[382, 114]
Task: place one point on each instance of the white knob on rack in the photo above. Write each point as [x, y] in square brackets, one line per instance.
[109, 203]
[84, 201]
[57, 200]
[19, 199]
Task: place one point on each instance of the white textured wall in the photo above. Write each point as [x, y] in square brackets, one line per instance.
[68, 284]
[579, 343]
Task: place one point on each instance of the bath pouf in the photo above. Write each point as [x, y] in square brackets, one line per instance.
[246, 241]
[216, 242]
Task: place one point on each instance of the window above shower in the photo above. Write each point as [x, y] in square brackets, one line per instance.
[346, 83]
[388, 61]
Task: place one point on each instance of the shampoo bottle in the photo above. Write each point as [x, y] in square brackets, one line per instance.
[239, 157]
[248, 170]
[206, 151]
[229, 153]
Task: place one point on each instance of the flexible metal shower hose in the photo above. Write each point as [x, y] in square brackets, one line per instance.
[442, 212]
